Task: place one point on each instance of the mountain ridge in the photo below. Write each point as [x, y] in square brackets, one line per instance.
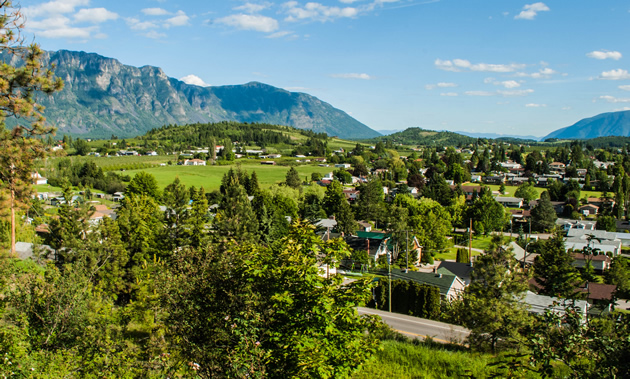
[602, 125]
[102, 97]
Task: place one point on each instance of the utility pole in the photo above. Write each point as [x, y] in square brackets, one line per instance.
[407, 254]
[389, 265]
[470, 243]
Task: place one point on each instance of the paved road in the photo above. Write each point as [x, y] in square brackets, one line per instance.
[416, 327]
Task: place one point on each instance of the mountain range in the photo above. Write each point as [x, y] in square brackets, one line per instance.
[103, 97]
[602, 125]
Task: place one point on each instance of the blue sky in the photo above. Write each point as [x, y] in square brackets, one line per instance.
[492, 66]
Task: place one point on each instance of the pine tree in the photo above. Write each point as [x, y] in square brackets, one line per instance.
[293, 178]
[553, 269]
[491, 305]
[22, 145]
[543, 215]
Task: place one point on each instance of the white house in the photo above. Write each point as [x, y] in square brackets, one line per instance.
[38, 179]
[194, 162]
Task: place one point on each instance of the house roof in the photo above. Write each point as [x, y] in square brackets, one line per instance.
[582, 257]
[540, 303]
[461, 270]
[598, 291]
[442, 281]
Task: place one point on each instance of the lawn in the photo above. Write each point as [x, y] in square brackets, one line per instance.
[209, 177]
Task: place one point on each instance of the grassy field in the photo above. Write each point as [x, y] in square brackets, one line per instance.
[209, 177]
[403, 360]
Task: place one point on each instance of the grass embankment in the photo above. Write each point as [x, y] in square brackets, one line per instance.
[415, 359]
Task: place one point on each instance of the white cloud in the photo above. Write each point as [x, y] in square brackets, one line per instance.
[54, 7]
[352, 76]
[612, 99]
[566, 108]
[317, 12]
[510, 84]
[479, 93]
[618, 74]
[136, 24]
[530, 11]
[58, 26]
[518, 92]
[625, 87]
[155, 12]
[534, 105]
[154, 34]
[543, 73]
[459, 65]
[440, 85]
[256, 23]
[504, 93]
[283, 33]
[194, 80]
[252, 8]
[180, 19]
[95, 15]
[451, 94]
[605, 55]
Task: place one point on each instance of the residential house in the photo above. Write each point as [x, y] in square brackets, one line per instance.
[271, 163]
[557, 166]
[568, 224]
[588, 209]
[462, 270]
[600, 295]
[510, 202]
[37, 179]
[343, 165]
[599, 262]
[606, 242]
[450, 285]
[539, 304]
[194, 162]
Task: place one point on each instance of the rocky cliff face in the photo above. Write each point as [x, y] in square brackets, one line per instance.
[102, 97]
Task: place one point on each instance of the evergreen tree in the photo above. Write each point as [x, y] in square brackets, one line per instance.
[21, 146]
[144, 184]
[543, 215]
[370, 200]
[198, 219]
[492, 306]
[553, 268]
[236, 218]
[175, 198]
[293, 178]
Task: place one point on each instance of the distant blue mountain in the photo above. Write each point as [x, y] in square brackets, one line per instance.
[602, 125]
[496, 135]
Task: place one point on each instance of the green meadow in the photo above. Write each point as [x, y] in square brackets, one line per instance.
[209, 177]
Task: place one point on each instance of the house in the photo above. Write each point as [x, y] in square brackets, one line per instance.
[599, 262]
[510, 202]
[37, 179]
[539, 304]
[589, 209]
[557, 166]
[351, 194]
[450, 285]
[364, 226]
[494, 179]
[343, 165]
[598, 294]
[194, 162]
[462, 270]
[118, 196]
[605, 242]
[521, 255]
[152, 153]
[568, 224]
[271, 163]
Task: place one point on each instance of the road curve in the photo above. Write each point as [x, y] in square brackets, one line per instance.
[415, 327]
